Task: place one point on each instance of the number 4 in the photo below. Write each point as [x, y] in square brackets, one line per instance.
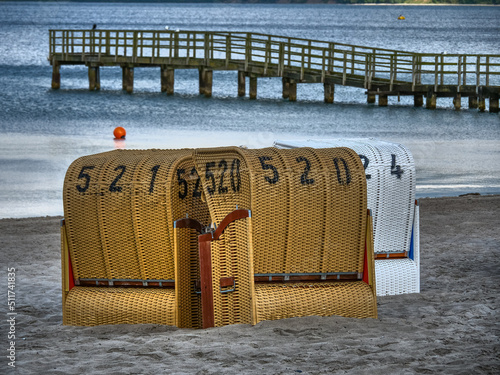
[395, 169]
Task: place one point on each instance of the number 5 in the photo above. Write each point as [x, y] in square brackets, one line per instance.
[83, 189]
[265, 166]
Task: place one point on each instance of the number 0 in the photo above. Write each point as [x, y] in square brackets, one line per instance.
[341, 181]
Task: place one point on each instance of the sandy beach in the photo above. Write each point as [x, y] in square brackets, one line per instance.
[451, 327]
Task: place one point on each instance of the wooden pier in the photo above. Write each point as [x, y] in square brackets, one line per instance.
[380, 72]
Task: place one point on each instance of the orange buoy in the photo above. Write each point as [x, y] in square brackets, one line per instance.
[119, 132]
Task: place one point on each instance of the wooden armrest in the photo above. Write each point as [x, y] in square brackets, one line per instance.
[189, 223]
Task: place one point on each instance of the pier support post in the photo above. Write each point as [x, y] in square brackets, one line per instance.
[494, 104]
[56, 75]
[457, 101]
[481, 104]
[329, 92]
[382, 100]
[128, 79]
[124, 78]
[292, 91]
[472, 102]
[206, 79]
[430, 100]
[241, 83]
[94, 78]
[370, 98]
[418, 100]
[201, 82]
[253, 87]
[167, 80]
[286, 87]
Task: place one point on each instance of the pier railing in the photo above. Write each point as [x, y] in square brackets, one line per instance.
[380, 71]
[356, 63]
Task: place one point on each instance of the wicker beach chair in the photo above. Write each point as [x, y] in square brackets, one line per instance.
[293, 237]
[120, 253]
[390, 177]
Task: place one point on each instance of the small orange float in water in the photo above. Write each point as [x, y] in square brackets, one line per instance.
[401, 17]
[119, 133]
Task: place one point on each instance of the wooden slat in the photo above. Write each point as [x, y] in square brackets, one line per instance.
[207, 296]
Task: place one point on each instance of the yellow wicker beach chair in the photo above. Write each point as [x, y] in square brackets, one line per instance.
[293, 236]
[118, 255]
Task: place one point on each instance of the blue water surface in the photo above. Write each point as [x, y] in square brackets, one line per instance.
[43, 130]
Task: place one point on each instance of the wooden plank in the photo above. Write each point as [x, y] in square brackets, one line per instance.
[207, 296]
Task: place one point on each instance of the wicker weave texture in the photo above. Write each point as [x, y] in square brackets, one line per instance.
[117, 220]
[188, 301]
[226, 186]
[89, 306]
[308, 216]
[391, 197]
[349, 299]
[120, 207]
[225, 180]
[232, 257]
[397, 276]
[310, 207]
[391, 181]
[401, 276]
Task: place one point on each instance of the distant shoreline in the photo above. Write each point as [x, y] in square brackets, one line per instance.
[258, 2]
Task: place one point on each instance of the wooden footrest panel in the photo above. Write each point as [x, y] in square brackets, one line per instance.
[91, 306]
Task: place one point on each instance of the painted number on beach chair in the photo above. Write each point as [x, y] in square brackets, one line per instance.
[235, 175]
[153, 178]
[222, 188]
[266, 166]
[347, 173]
[113, 188]
[183, 184]
[223, 166]
[366, 162]
[86, 176]
[395, 169]
[196, 191]
[210, 174]
[303, 178]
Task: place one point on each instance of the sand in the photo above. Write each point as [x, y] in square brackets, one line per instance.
[451, 327]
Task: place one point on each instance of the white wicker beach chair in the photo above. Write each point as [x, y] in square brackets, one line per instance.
[390, 173]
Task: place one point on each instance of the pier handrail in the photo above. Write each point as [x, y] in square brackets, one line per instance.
[365, 65]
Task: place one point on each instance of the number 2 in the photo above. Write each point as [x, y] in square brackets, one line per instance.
[113, 188]
[366, 163]
[303, 178]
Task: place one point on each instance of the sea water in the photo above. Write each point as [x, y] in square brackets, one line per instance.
[43, 130]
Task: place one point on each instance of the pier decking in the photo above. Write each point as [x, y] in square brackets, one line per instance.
[380, 72]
